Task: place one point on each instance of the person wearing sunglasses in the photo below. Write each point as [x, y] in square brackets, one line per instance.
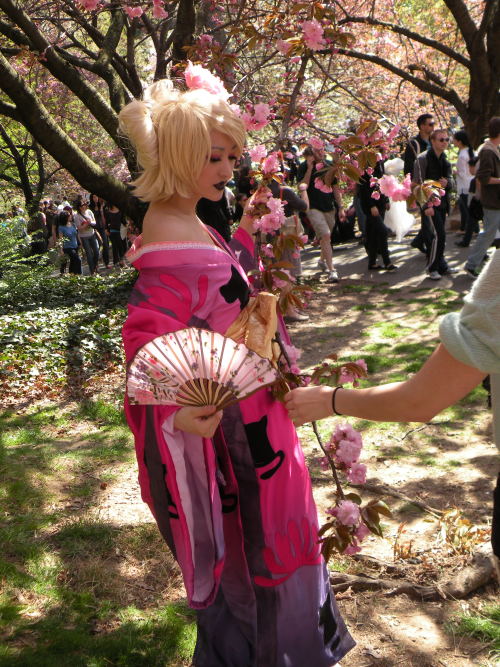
[433, 165]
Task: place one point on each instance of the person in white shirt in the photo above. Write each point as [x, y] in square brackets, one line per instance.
[85, 224]
[464, 177]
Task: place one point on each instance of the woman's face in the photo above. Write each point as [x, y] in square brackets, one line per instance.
[219, 168]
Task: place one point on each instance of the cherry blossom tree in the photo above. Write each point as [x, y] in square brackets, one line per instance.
[296, 68]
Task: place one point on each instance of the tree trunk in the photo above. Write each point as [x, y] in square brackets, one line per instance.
[184, 30]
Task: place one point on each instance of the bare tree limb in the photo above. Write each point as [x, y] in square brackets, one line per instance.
[411, 34]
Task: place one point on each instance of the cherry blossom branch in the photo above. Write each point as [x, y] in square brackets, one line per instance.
[415, 36]
[340, 492]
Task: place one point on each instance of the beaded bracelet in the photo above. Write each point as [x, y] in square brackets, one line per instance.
[339, 414]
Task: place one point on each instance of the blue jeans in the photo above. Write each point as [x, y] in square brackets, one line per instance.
[91, 251]
[491, 224]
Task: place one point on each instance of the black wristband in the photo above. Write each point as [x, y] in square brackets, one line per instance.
[339, 414]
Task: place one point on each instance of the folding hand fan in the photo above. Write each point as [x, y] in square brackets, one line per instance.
[196, 367]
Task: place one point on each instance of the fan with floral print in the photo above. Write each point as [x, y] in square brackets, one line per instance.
[196, 367]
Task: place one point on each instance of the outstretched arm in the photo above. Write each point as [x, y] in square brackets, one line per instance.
[440, 382]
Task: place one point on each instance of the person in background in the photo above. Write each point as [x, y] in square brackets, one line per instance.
[376, 232]
[469, 350]
[51, 217]
[488, 176]
[114, 221]
[85, 224]
[474, 207]
[294, 204]
[464, 177]
[239, 206]
[417, 145]
[217, 214]
[96, 205]
[69, 234]
[321, 211]
[433, 165]
[37, 229]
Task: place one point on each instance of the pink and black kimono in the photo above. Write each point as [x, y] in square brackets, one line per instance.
[237, 511]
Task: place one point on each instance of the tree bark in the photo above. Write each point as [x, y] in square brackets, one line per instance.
[184, 30]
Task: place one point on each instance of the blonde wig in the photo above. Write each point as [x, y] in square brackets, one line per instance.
[170, 131]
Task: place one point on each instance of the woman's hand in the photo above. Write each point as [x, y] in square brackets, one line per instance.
[374, 211]
[307, 404]
[200, 421]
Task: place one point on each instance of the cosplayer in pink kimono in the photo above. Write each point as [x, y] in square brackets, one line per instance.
[229, 490]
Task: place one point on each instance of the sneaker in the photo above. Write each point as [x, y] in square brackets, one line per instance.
[472, 272]
[461, 244]
[375, 267]
[321, 265]
[434, 275]
[333, 277]
[451, 269]
[390, 267]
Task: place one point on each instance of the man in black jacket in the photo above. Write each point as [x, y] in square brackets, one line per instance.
[419, 143]
[433, 165]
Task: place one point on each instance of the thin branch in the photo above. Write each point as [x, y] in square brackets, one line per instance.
[411, 34]
[450, 95]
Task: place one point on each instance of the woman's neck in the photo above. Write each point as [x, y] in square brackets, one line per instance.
[178, 206]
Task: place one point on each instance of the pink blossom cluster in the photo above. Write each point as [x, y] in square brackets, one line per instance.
[320, 185]
[348, 513]
[313, 34]
[345, 446]
[391, 187]
[283, 46]
[280, 283]
[89, 5]
[271, 164]
[393, 133]
[317, 144]
[256, 116]
[159, 10]
[197, 76]
[275, 217]
[346, 376]
[294, 354]
[133, 12]
[257, 153]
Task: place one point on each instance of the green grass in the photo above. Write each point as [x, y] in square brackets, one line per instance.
[357, 288]
[69, 596]
[140, 639]
[484, 626]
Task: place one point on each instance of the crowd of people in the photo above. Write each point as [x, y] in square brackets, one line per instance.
[327, 217]
[88, 228]
[477, 188]
[100, 232]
